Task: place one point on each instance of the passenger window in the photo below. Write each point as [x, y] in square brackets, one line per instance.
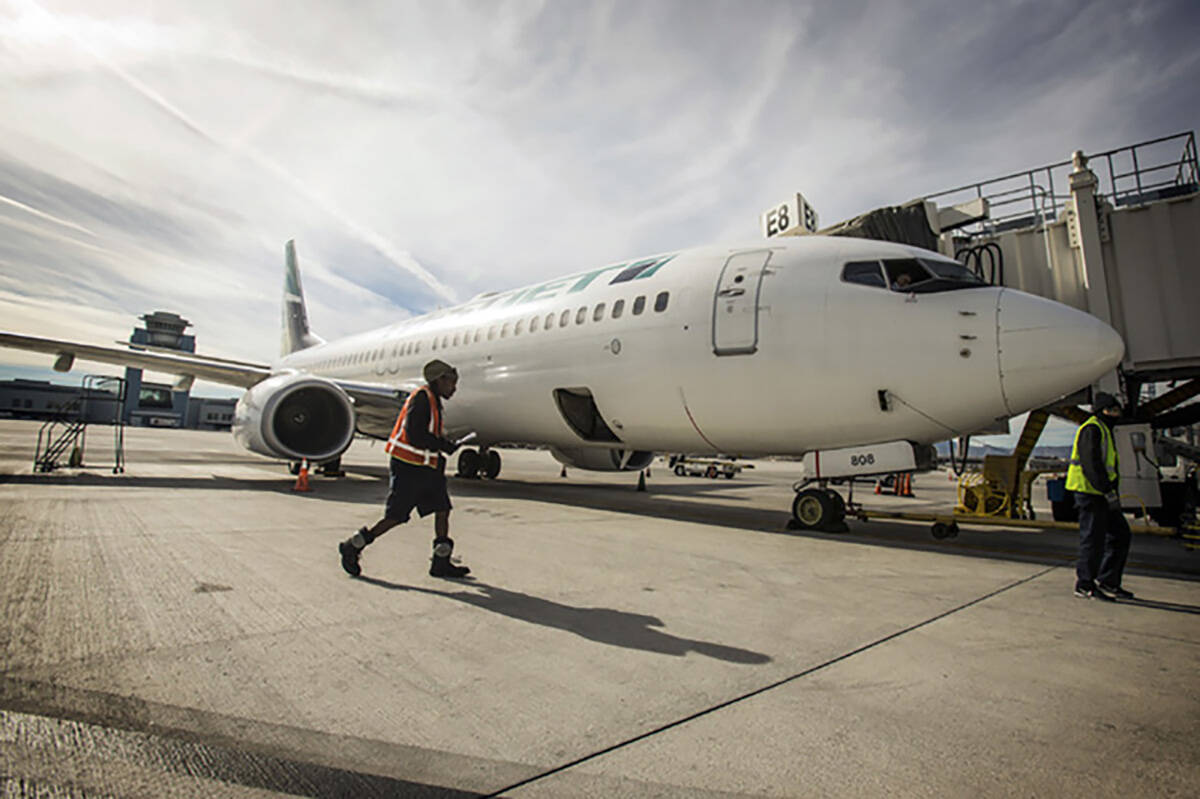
[566, 317]
[581, 315]
[445, 342]
[864, 273]
[479, 335]
[660, 302]
[456, 339]
[639, 305]
[491, 332]
[618, 309]
[549, 321]
[434, 344]
[504, 330]
[598, 314]
[533, 324]
[518, 327]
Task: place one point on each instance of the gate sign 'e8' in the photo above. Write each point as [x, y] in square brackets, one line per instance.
[790, 218]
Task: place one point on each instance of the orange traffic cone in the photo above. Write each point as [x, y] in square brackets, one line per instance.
[878, 486]
[302, 478]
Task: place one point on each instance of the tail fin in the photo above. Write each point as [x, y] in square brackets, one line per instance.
[296, 335]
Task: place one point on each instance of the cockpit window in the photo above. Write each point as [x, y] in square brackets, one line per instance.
[905, 273]
[865, 273]
[952, 270]
[928, 275]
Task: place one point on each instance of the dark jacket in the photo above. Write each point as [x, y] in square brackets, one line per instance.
[1092, 456]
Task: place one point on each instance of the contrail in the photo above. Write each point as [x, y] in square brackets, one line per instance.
[400, 258]
[43, 215]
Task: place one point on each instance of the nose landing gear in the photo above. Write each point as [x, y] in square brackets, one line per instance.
[820, 508]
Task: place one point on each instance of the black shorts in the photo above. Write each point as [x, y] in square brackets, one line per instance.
[417, 487]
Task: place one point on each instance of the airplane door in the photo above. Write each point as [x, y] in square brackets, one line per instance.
[735, 305]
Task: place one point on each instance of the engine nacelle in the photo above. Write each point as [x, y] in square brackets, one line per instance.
[601, 459]
[295, 417]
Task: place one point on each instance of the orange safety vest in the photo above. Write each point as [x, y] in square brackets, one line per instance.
[398, 445]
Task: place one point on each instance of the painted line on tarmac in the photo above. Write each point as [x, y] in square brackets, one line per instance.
[770, 687]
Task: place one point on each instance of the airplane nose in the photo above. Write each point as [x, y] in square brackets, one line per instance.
[1048, 350]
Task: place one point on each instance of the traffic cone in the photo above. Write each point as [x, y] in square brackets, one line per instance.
[641, 481]
[302, 478]
[878, 486]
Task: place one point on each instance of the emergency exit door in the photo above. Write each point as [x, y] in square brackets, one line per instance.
[735, 305]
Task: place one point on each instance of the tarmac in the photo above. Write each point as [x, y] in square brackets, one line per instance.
[185, 629]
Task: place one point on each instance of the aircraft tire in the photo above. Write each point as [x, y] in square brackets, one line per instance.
[680, 471]
[491, 464]
[839, 505]
[813, 509]
[469, 463]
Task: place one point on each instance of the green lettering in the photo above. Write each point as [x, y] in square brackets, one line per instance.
[540, 292]
[587, 277]
[650, 270]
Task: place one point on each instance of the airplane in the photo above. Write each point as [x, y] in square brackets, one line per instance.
[772, 348]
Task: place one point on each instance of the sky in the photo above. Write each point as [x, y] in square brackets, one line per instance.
[157, 154]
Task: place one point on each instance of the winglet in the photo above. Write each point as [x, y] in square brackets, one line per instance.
[296, 335]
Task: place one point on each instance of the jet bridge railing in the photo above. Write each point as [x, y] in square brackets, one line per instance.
[1151, 170]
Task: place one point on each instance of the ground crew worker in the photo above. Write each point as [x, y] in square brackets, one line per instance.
[1094, 475]
[417, 473]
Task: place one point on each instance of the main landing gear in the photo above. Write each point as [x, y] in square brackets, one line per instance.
[482, 462]
[818, 508]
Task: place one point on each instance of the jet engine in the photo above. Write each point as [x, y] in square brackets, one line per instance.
[601, 459]
[295, 416]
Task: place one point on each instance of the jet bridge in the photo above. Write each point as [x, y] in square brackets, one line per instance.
[1116, 234]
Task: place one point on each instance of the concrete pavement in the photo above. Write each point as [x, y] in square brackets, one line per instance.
[186, 629]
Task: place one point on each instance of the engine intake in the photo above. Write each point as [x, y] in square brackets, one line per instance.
[295, 417]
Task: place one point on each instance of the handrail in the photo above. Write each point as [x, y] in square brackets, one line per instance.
[1039, 202]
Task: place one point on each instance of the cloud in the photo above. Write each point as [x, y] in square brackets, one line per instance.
[427, 150]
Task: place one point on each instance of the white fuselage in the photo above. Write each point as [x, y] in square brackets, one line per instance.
[786, 359]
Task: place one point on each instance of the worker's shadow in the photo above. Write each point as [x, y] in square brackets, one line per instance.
[1155, 604]
[602, 625]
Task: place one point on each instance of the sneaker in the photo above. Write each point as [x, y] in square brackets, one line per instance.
[1092, 592]
[350, 555]
[1117, 591]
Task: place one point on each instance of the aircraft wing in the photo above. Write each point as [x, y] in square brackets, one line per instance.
[216, 370]
[375, 404]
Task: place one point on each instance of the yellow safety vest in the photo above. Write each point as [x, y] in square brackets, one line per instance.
[1076, 480]
[398, 445]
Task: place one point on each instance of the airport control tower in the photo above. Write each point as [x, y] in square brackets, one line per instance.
[157, 405]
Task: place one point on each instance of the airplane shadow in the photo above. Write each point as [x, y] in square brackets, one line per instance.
[106, 480]
[602, 625]
[671, 500]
